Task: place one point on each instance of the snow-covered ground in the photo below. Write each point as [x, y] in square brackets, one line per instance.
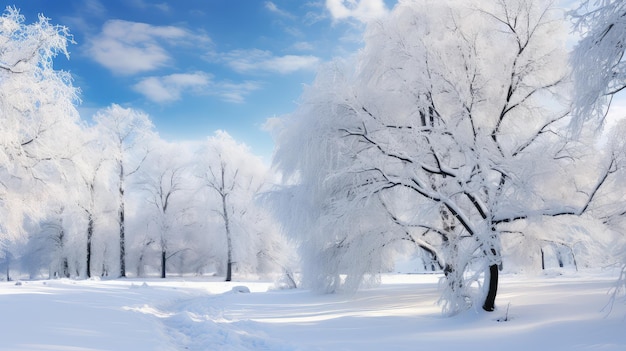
[560, 312]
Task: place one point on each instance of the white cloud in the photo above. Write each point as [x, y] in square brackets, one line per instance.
[362, 10]
[130, 47]
[255, 60]
[170, 88]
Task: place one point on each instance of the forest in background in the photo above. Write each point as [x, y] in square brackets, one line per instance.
[104, 195]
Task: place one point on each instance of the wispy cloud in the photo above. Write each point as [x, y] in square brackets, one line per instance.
[128, 48]
[171, 88]
[303, 46]
[362, 10]
[142, 4]
[255, 60]
[274, 9]
[94, 8]
[87, 13]
[233, 92]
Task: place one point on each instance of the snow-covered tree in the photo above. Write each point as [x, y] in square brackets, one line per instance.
[599, 74]
[598, 65]
[439, 134]
[90, 187]
[38, 118]
[128, 131]
[166, 181]
[232, 176]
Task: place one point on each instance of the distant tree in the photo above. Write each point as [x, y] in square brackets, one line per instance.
[232, 177]
[57, 234]
[217, 181]
[164, 179]
[439, 135]
[89, 165]
[127, 131]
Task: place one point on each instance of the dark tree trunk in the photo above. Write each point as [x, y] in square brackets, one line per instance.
[229, 270]
[558, 256]
[66, 268]
[122, 243]
[89, 237]
[490, 300]
[121, 219]
[163, 263]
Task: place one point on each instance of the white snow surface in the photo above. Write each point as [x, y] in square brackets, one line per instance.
[545, 312]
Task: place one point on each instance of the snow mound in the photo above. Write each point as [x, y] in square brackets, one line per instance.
[142, 286]
[241, 289]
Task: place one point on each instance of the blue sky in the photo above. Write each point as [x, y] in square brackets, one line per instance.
[196, 66]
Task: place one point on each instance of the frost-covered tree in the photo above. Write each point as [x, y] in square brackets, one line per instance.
[599, 74]
[232, 176]
[127, 131]
[445, 130]
[598, 65]
[165, 180]
[90, 186]
[38, 118]
[54, 232]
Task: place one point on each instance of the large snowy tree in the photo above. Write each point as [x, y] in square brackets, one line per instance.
[446, 129]
[599, 75]
[37, 117]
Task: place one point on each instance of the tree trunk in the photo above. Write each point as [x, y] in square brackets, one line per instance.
[490, 300]
[163, 263]
[66, 268]
[229, 262]
[574, 259]
[8, 259]
[121, 219]
[229, 270]
[557, 250]
[122, 243]
[89, 236]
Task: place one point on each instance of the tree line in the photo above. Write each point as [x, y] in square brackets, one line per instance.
[109, 197]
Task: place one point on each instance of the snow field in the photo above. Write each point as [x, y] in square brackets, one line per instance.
[544, 313]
